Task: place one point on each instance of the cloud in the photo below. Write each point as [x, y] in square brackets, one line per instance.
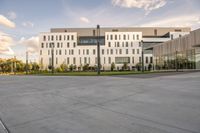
[31, 43]
[147, 5]
[6, 22]
[176, 21]
[12, 15]
[5, 42]
[84, 20]
[28, 24]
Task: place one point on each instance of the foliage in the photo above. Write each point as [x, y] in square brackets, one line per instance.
[112, 66]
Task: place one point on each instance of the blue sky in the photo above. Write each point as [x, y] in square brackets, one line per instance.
[30, 17]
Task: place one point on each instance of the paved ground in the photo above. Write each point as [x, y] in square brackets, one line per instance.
[157, 104]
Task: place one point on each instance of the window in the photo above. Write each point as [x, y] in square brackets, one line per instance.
[68, 44]
[138, 51]
[56, 60]
[118, 44]
[60, 37]
[109, 60]
[56, 52]
[140, 59]
[74, 44]
[133, 60]
[40, 52]
[172, 37]
[104, 60]
[52, 38]
[85, 60]
[68, 62]
[119, 37]
[126, 44]
[48, 38]
[60, 52]
[83, 51]
[116, 51]
[126, 51]
[87, 51]
[120, 51]
[111, 51]
[121, 60]
[74, 60]
[48, 52]
[42, 45]
[64, 37]
[93, 32]
[88, 60]
[124, 37]
[109, 44]
[107, 51]
[94, 52]
[72, 37]
[80, 60]
[115, 37]
[72, 52]
[147, 60]
[137, 37]
[133, 51]
[155, 32]
[151, 59]
[111, 37]
[44, 38]
[65, 52]
[133, 37]
[67, 37]
[58, 45]
[61, 44]
[102, 51]
[79, 51]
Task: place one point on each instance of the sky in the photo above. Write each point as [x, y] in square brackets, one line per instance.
[21, 21]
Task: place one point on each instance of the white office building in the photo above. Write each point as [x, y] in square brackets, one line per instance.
[78, 46]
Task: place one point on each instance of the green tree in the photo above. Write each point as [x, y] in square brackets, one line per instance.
[64, 67]
[125, 66]
[112, 66]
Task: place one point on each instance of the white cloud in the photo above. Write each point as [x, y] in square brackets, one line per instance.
[28, 24]
[147, 5]
[176, 21]
[12, 15]
[6, 22]
[32, 44]
[84, 20]
[5, 43]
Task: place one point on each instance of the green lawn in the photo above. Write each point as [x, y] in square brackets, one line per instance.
[92, 73]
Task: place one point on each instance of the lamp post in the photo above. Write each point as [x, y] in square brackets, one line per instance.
[26, 62]
[52, 58]
[141, 43]
[98, 50]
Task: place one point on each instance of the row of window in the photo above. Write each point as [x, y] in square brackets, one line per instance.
[123, 37]
[87, 60]
[88, 52]
[58, 37]
[57, 45]
[122, 44]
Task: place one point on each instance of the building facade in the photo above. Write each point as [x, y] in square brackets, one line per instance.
[180, 53]
[78, 46]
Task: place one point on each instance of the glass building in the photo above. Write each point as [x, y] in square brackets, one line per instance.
[180, 53]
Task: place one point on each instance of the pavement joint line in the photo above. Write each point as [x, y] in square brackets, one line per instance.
[140, 118]
[4, 126]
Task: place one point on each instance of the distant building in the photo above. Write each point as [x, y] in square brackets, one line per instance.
[180, 53]
[77, 46]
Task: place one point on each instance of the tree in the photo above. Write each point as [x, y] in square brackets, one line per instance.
[59, 69]
[138, 66]
[86, 67]
[125, 66]
[64, 67]
[112, 66]
[71, 67]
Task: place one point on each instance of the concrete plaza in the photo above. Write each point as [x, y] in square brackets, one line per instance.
[121, 104]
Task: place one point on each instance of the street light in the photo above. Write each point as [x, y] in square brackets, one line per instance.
[98, 50]
[26, 62]
[141, 43]
[52, 56]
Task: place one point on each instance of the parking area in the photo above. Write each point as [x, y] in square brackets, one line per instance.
[104, 104]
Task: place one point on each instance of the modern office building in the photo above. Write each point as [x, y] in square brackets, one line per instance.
[180, 53]
[78, 46]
